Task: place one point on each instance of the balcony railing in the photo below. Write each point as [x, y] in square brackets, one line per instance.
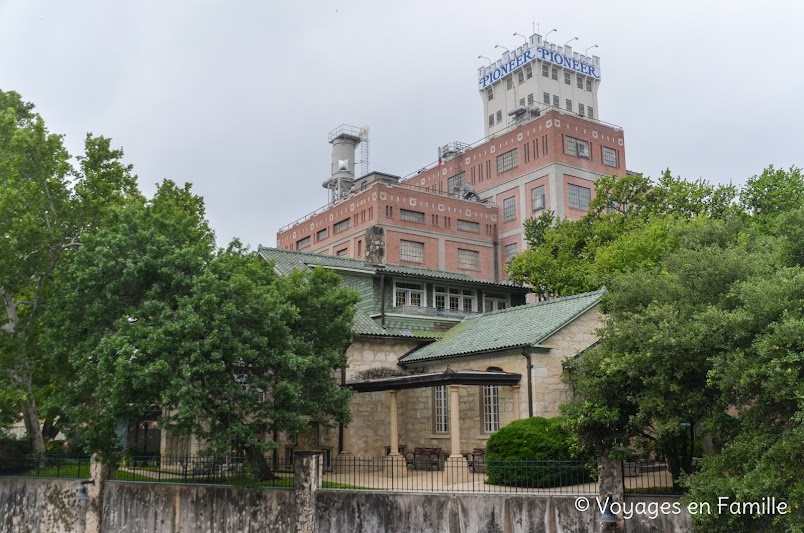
[432, 312]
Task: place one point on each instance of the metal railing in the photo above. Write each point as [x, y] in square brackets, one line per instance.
[432, 311]
[441, 474]
[222, 470]
[49, 466]
[648, 477]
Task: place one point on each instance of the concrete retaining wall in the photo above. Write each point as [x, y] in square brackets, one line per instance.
[40, 506]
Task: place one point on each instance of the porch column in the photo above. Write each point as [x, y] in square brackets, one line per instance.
[395, 464]
[517, 405]
[456, 467]
[347, 441]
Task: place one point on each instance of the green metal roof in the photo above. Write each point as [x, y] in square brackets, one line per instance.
[524, 325]
[287, 260]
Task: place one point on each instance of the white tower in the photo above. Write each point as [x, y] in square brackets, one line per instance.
[344, 140]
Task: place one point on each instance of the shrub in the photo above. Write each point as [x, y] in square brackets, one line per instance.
[534, 452]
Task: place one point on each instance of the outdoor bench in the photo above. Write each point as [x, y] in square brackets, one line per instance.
[424, 459]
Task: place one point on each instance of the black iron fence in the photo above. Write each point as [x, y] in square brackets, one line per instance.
[648, 477]
[39, 465]
[440, 473]
[223, 469]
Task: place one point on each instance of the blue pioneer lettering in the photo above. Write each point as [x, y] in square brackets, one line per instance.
[507, 68]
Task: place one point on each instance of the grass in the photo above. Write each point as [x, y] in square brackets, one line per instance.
[74, 471]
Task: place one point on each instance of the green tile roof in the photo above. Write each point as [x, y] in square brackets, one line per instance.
[365, 325]
[287, 260]
[524, 325]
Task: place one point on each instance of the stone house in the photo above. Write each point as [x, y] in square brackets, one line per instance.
[434, 347]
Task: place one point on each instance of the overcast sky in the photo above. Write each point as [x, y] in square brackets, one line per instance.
[238, 97]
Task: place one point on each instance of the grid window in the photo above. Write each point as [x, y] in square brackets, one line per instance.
[590, 111]
[521, 102]
[521, 77]
[506, 161]
[490, 94]
[530, 99]
[455, 299]
[528, 71]
[301, 244]
[545, 70]
[441, 408]
[468, 259]
[409, 294]
[342, 252]
[411, 251]
[556, 101]
[579, 197]
[554, 73]
[576, 147]
[495, 302]
[567, 78]
[411, 216]
[509, 209]
[589, 84]
[491, 119]
[321, 235]
[537, 198]
[568, 104]
[509, 83]
[491, 408]
[455, 182]
[510, 251]
[468, 225]
[580, 109]
[546, 98]
[610, 157]
[580, 81]
[499, 117]
[343, 225]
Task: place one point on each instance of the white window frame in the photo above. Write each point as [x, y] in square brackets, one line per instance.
[567, 78]
[511, 250]
[537, 198]
[491, 408]
[610, 157]
[507, 161]
[509, 209]
[576, 147]
[454, 299]
[495, 302]
[440, 409]
[410, 289]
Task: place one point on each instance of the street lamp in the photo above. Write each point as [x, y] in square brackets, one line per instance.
[504, 48]
[548, 33]
[526, 39]
[573, 39]
[586, 52]
[81, 493]
[484, 57]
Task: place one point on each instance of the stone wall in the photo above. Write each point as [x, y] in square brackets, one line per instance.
[40, 506]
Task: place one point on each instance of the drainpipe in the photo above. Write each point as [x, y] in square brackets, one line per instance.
[526, 355]
[382, 299]
[340, 426]
[496, 248]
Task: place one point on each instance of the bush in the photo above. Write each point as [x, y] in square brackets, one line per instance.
[534, 452]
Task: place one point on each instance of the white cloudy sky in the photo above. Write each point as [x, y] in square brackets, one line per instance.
[238, 97]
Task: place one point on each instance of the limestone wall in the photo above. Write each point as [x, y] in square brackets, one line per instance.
[40, 506]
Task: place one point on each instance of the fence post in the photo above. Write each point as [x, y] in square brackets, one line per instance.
[99, 472]
[610, 473]
[307, 478]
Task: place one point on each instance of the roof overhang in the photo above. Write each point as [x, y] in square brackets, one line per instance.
[448, 377]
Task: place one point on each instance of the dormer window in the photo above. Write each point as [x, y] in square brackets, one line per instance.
[409, 294]
[455, 299]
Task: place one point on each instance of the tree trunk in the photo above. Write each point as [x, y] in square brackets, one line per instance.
[263, 470]
[31, 417]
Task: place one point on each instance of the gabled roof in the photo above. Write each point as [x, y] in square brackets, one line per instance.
[287, 260]
[364, 325]
[524, 325]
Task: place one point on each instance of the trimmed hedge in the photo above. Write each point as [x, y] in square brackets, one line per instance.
[534, 452]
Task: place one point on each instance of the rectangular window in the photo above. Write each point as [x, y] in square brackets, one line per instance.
[509, 209]
[495, 302]
[521, 102]
[506, 161]
[490, 94]
[521, 77]
[411, 216]
[545, 70]
[610, 157]
[467, 225]
[556, 101]
[569, 104]
[576, 147]
[554, 73]
[321, 235]
[491, 408]
[580, 81]
[580, 109]
[441, 408]
[468, 259]
[579, 197]
[454, 299]
[546, 98]
[389, 211]
[530, 99]
[499, 117]
[567, 78]
[589, 84]
[434, 219]
[537, 198]
[342, 252]
[455, 183]
[510, 251]
[409, 294]
[491, 119]
[359, 248]
[343, 225]
[411, 251]
[528, 71]
[509, 83]
[590, 111]
[301, 244]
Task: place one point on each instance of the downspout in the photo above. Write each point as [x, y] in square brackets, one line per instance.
[526, 355]
[340, 426]
[496, 248]
[382, 298]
